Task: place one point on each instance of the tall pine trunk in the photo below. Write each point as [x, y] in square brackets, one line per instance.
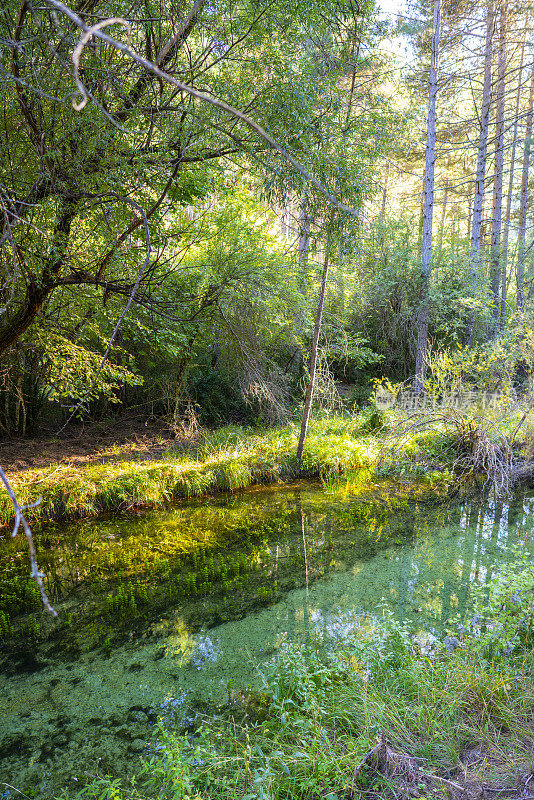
[506, 233]
[521, 246]
[428, 208]
[496, 220]
[478, 199]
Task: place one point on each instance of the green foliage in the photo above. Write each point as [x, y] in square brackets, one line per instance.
[297, 682]
[71, 370]
[191, 186]
[220, 291]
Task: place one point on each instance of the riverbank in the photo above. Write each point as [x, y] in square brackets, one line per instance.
[228, 459]
[153, 471]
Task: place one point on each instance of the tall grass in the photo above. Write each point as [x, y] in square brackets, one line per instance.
[228, 459]
[322, 710]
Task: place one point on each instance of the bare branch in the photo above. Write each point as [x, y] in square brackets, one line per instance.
[20, 519]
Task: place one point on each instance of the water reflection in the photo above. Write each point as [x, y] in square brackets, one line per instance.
[166, 611]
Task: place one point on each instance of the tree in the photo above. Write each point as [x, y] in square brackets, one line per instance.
[428, 203]
[313, 353]
[521, 236]
[496, 221]
[478, 200]
[75, 177]
[510, 194]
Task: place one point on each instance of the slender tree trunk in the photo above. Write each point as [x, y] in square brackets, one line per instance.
[444, 207]
[478, 200]
[496, 221]
[469, 215]
[385, 193]
[304, 254]
[421, 222]
[521, 248]
[504, 249]
[304, 245]
[444, 211]
[428, 208]
[306, 411]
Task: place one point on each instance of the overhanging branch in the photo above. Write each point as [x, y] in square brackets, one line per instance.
[97, 32]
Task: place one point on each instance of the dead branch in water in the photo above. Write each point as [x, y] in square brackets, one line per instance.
[20, 519]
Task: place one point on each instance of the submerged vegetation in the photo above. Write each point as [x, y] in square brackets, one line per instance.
[368, 709]
[216, 562]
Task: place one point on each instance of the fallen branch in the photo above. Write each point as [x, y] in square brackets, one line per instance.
[20, 519]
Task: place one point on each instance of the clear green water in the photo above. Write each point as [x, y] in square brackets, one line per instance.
[164, 614]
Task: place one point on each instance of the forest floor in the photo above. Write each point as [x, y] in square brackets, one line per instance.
[122, 439]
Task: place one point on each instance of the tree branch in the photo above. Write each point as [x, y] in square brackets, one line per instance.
[20, 519]
[95, 30]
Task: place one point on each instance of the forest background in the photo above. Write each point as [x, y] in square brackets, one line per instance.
[266, 147]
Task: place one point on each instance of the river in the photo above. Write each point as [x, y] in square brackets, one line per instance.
[162, 615]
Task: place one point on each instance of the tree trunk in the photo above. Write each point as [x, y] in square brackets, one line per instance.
[385, 193]
[24, 316]
[428, 208]
[521, 248]
[304, 245]
[469, 216]
[478, 200]
[504, 249]
[306, 411]
[496, 222]
[444, 206]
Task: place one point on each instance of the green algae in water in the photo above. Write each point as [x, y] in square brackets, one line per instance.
[161, 614]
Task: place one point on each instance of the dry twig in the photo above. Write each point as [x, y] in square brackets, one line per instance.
[20, 519]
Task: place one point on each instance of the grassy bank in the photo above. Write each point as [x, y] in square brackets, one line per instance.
[376, 713]
[229, 459]
[234, 458]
